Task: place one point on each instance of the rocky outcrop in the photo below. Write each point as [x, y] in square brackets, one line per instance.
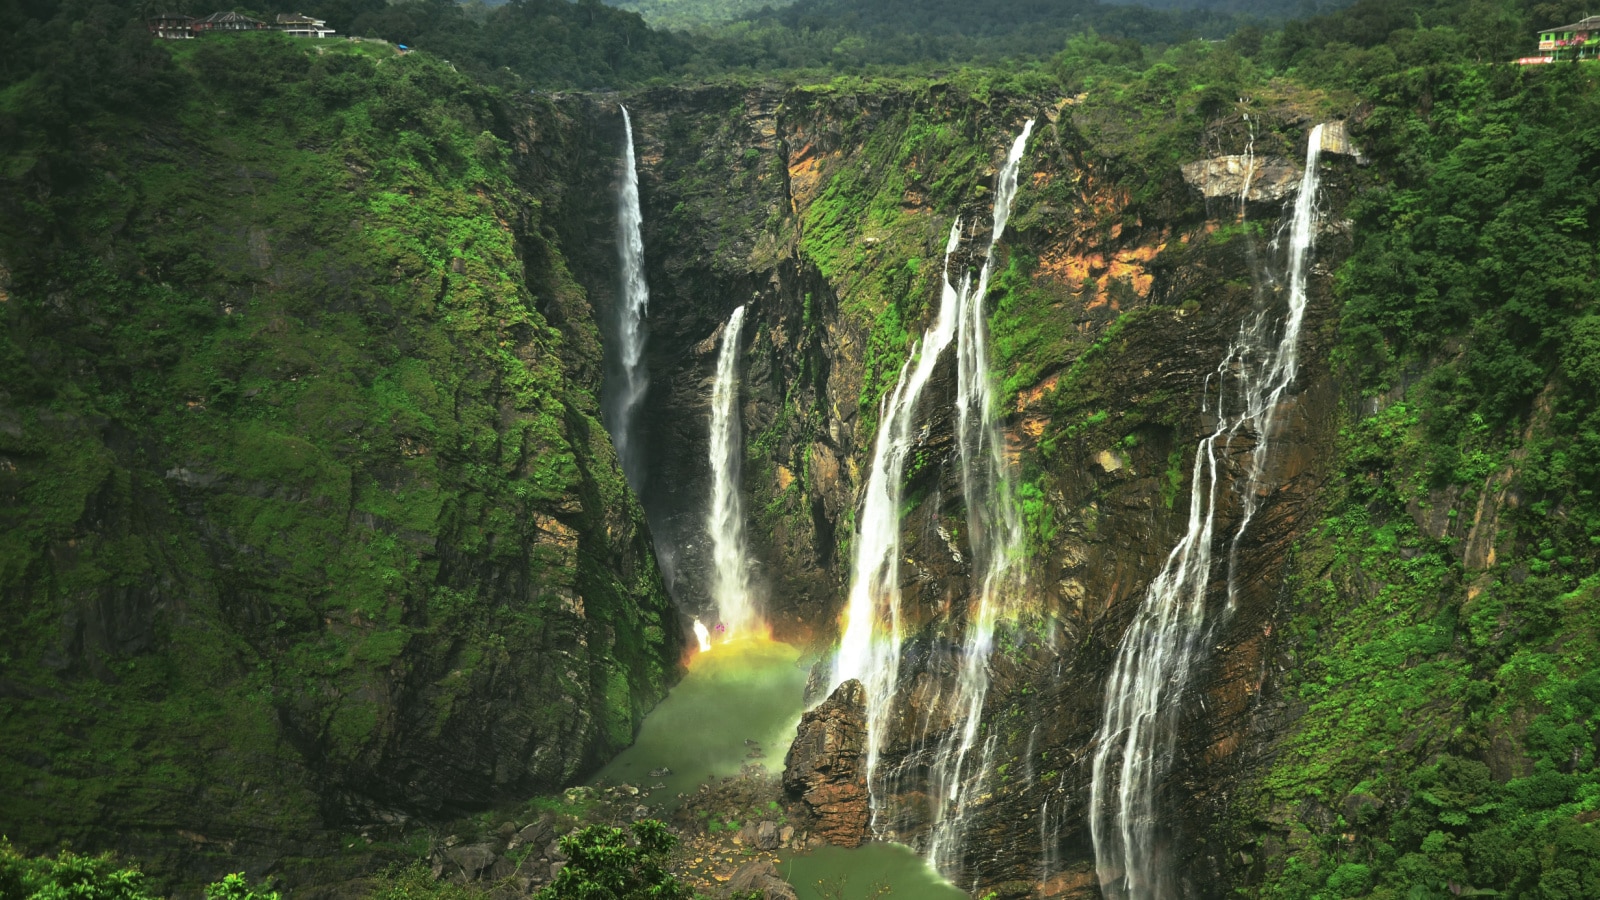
[1268, 178]
[825, 768]
[761, 877]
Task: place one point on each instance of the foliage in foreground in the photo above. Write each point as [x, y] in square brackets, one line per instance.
[74, 876]
[604, 864]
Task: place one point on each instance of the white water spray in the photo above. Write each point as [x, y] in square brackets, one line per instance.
[1135, 743]
[702, 635]
[626, 388]
[730, 566]
[994, 532]
[870, 647]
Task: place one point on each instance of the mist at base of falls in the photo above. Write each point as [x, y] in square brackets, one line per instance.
[745, 690]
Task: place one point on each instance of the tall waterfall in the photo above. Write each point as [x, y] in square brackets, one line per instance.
[730, 572]
[1135, 743]
[994, 531]
[627, 382]
[870, 647]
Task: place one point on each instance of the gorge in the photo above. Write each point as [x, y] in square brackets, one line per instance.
[1158, 492]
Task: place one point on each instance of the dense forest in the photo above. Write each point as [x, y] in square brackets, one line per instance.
[416, 373]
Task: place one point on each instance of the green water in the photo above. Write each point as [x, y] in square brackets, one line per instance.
[749, 689]
[855, 874]
[752, 690]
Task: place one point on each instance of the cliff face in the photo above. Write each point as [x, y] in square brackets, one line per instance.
[827, 211]
[310, 525]
[1365, 716]
[309, 522]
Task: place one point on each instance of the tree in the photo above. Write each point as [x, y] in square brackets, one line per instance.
[603, 864]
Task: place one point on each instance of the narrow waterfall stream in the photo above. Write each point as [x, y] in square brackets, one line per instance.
[627, 379]
[730, 565]
[871, 644]
[1136, 739]
[995, 537]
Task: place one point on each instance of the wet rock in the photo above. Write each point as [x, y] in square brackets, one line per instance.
[760, 875]
[473, 859]
[786, 835]
[1270, 178]
[817, 680]
[1336, 139]
[767, 836]
[825, 767]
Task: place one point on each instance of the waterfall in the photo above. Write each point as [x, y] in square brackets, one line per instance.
[870, 647]
[994, 531]
[730, 573]
[1136, 739]
[627, 382]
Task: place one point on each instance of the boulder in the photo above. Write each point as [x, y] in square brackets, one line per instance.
[472, 858]
[759, 875]
[826, 766]
[767, 836]
[538, 834]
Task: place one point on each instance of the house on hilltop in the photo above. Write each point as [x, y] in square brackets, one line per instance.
[1580, 40]
[174, 27]
[298, 25]
[171, 27]
[228, 21]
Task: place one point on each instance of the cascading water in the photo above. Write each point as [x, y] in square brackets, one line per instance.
[869, 650]
[1134, 745]
[628, 379]
[870, 647]
[994, 531]
[730, 567]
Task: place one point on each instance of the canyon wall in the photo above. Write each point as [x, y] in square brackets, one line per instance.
[311, 530]
[827, 211]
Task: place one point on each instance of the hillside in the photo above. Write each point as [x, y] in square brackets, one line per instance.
[318, 557]
[309, 519]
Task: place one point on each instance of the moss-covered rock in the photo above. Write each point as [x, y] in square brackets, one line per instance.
[308, 518]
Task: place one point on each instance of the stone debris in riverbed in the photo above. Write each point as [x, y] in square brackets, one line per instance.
[726, 827]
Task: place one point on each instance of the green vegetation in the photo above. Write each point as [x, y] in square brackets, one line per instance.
[293, 468]
[1446, 662]
[603, 864]
[74, 876]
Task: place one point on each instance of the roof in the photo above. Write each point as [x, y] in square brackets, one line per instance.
[298, 19]
[1590, 24]
[219, 18]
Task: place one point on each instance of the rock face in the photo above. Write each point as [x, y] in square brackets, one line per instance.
[1269, 178]
[825, 768]
[1108, 329]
